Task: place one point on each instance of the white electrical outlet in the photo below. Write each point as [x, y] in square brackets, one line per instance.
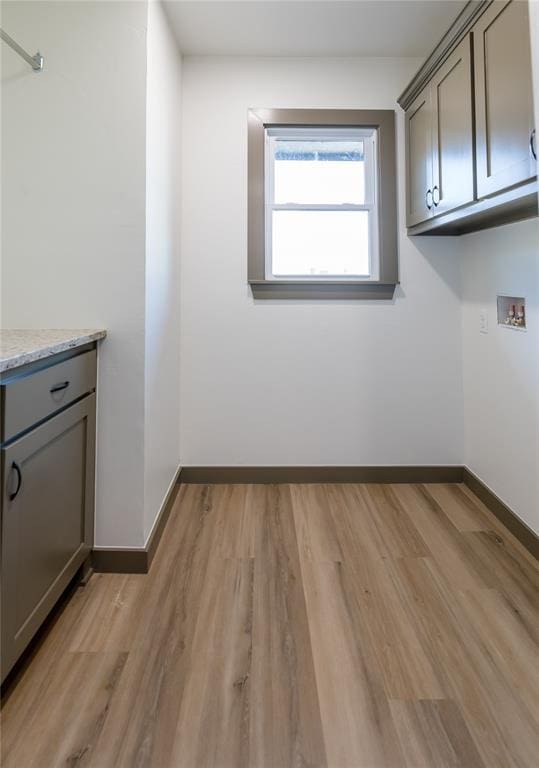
[483, 321]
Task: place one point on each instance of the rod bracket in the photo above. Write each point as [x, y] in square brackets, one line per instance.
[37, 66]
[36, 61]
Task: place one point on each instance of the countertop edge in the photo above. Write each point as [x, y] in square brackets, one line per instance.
[55, 347]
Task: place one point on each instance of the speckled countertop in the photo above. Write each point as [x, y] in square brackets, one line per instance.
[18, 347]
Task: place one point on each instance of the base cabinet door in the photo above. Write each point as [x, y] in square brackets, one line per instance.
[452, 128]
[504, 98]
[419, 205]
[47, 519]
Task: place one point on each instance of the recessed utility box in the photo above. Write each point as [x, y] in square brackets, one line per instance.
[512, 312]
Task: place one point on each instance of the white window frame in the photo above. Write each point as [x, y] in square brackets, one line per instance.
[371, 204]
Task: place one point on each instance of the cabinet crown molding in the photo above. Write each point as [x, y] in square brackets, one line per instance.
[460, 27]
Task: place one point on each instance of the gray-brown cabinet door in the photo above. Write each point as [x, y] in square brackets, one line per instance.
[452, 132]
[418, 120]
[47, 519]
[503, 97]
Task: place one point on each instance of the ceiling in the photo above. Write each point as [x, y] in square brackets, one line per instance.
[311, 27]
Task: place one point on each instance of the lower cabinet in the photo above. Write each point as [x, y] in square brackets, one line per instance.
[47, 519]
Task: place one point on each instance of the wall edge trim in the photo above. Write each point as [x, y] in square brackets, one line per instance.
[324, 474]
[162, 517]
[138, 560]
[507, 517]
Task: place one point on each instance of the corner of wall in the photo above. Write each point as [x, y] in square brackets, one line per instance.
[161, 348]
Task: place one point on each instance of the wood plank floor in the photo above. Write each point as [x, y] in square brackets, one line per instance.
[286, 626]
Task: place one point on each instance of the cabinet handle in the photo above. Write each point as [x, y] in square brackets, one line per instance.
[532, 144]
[59, 387]
[429, 192]
[17, 469]
[436, 189]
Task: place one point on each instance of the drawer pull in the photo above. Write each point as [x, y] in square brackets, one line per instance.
[17, 469]
[532, 144]
[59, 387]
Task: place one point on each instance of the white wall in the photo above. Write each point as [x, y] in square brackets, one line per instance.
[73, 220]
[162, 375]
[90, 238]
[534, 36]
[90, 211]
[501, 368]
[295, 382]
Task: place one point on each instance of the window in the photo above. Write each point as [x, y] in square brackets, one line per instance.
[321, 217]
[322, 204]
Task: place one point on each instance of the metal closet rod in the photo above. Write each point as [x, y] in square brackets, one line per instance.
[36, 62]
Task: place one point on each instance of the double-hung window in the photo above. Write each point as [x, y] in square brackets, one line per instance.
[322, 204]
[321, 211]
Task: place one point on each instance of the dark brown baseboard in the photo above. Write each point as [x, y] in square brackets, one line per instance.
[137, 560]
[120, 560]
[385, 474]
[140, 560]
[505, 515]
[164, 514]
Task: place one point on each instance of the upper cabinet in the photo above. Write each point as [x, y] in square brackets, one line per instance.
[470, 139]
[452, 142]
[419, 159]
[503, 98]
[439, 141]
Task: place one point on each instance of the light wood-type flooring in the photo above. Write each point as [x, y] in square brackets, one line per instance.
[364, 626]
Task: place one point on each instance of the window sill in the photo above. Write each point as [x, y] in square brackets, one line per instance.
[328, 289]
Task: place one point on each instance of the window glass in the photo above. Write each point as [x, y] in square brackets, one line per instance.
[324, 171]
[321, 216]
[316, 243]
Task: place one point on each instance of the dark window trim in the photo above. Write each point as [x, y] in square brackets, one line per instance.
[384, 122]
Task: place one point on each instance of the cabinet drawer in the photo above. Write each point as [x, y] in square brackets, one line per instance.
[34, 397]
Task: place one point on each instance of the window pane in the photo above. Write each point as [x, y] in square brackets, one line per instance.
[309, 171]
[320, 243]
